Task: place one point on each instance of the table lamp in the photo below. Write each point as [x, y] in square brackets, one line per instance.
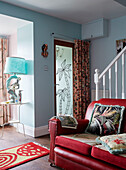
[14, 66]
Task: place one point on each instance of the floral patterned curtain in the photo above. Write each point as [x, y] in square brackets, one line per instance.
[81, 78]
[3, 78]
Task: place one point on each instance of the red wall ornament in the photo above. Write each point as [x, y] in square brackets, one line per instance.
[44, 50]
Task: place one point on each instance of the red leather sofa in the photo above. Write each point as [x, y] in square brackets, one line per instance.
[69, 153]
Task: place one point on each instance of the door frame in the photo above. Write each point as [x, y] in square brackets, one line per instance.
[66, 44]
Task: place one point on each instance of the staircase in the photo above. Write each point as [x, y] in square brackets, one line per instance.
[108, 70]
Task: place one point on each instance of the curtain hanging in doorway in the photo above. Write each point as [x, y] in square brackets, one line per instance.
[3, 78]
[81, 78]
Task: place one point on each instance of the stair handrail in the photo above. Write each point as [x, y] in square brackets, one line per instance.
[98, 76]
[113, 62]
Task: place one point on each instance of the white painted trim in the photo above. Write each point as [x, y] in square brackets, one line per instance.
[28, 129]
[123, 76]
[96, 81]
[42, 130]
[31, 131]
[110, 83]
[116, 80]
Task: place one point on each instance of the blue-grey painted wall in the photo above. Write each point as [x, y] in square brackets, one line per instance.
[103, 50]
[44, 25]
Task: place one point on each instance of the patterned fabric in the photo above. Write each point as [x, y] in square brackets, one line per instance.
[81, 78]
[67, 121]
[115, 144]
[101, 153]
[106, 119]
[89, 139]
[3, 78]
[104, 148]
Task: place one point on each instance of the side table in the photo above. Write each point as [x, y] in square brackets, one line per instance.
[13, 121]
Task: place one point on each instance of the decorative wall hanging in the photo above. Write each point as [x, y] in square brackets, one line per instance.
[44, 50]
[120, 44]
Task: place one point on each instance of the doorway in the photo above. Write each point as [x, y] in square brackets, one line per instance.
[20, 34]
[63, 77]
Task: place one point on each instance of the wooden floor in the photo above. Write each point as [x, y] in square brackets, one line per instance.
[12, 138]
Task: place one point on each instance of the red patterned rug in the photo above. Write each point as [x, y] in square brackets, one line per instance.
[20, 154]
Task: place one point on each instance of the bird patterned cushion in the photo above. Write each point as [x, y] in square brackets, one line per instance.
[105, 119]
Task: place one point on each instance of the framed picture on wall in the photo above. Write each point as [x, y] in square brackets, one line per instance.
[120, 44]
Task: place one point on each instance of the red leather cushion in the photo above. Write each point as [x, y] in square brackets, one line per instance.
[76, 145]
[101, 153]
[67, 164]
[70, 160]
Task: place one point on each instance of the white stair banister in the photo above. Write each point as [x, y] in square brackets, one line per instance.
[96, 80]
[108, 69]
[113, 62]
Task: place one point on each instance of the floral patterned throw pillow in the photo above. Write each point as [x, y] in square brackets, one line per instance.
[115, 144]
[105, 119]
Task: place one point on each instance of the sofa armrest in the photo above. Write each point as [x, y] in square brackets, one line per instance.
[55, 125]
[56, 129]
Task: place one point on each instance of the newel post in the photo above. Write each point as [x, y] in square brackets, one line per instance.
[96, 81]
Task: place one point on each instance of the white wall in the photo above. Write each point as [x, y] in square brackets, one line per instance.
[12, 39]
[25, 50]
[13, 44]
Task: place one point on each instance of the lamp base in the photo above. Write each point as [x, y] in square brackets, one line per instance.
[12, 87]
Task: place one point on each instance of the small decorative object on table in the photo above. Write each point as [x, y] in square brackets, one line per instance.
[20, 96]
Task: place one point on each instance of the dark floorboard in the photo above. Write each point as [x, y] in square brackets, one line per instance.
[12, 138]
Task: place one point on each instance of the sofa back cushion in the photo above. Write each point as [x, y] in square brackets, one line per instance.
[106, 101]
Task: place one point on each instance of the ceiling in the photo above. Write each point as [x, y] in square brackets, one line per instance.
[78, 11]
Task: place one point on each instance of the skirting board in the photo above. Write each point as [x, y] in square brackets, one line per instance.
[31, 131]
[41, 131]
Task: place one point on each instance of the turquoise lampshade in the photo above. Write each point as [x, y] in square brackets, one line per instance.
[15, 65]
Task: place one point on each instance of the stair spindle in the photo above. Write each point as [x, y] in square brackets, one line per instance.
[96, 80]
[116, 81]
[123, 75]
[110, 84]
[104, 86]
